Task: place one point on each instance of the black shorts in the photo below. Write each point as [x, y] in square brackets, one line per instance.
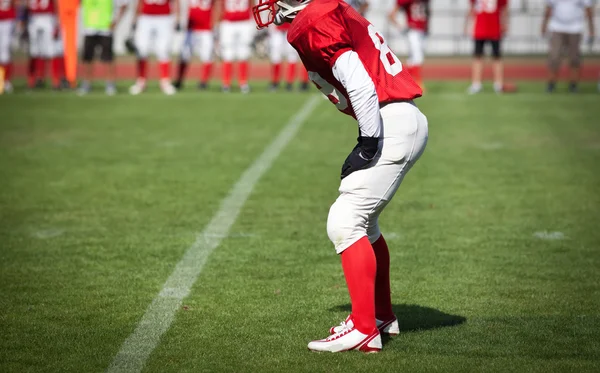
[92, 42]
[480, 44]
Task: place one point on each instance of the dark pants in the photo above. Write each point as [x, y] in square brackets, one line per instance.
[93, 42]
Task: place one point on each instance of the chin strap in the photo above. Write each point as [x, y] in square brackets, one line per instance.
[286, 11]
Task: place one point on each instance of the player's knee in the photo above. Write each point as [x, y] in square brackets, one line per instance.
[575, 61]
[227, 53]
[344, 225]
[243, 52]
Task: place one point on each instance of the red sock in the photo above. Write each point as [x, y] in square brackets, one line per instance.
[304, 75]
[226, 78]
[56, 67]
[360, 267]
[165, 69]
[383, 298]
[206, 69]
[40, 68]
[7, 71]
[291, 72]
[31, 71]
[417, 75]
[142, 68]
[243, 72]
[275, 73]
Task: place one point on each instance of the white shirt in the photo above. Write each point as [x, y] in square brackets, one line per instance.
[351, 73]
[568, 15]
[117, 4]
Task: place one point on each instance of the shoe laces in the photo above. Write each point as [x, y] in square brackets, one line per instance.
[345, 330]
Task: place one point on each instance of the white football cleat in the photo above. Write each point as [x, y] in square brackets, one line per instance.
[8, 87]
[474, 88]
[245, 88]
[167, 88]
[389, 327]
[348, 339]
[138, 87]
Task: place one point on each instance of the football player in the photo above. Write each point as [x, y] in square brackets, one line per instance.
[350, 62]
[278, 46]
[417, 19]
[7, 21]
[199, 41]
[154, 25]
[490, 22]
[235, 38]
[44, 42]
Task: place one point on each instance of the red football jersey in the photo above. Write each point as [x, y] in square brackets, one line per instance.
[326, 29]
[156, 7]
[487, 18]
[7, 10]
[200, 15]
[417, 13]
[236, 10]
[40, 6]
[284, 27]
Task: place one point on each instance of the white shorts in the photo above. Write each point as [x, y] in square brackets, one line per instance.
[42, 42]
[154, 33]
[200, 44]
[279, 47]
[416, 46]
[6, 30]
[235, 39]
[365, 193]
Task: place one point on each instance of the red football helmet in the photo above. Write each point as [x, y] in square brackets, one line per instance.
[276, 11]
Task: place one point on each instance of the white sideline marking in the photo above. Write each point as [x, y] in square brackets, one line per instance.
[549, 235]
[48, 233]
[160, 313]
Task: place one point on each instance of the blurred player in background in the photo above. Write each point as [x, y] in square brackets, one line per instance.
[361, 6]
[350, 63]
[236, 31]
[100, 17]
[565, 19]
[8, 14]
[417, 20]
[490, 24]
[44, 43]
[155, 22]
[278, 48]
[199, 41]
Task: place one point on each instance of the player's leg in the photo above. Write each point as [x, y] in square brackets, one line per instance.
[165, 27]
[34, 52]
[353, 228]
[244, 50]
[554, 52]
[59, 80]
[87, 57]
[43, 40]
[292, 60]
[185, 56]
[227, 45]
[498, 66]
[205, 52]
[574, 53]
[6, 27]
[143, 39]
[107, 57]
[416, 56]
[275, 56]
[477, 67]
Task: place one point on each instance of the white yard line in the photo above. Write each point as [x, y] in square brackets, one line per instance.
[160, 313]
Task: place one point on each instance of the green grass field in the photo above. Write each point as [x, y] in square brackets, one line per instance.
[494, 235]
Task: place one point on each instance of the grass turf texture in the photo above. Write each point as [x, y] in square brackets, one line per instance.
[100, 197]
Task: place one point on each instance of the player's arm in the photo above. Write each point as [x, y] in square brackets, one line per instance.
[177, 13]
[392, 15]
[589, 12]
[136, 14]
[119, 14]
[351, 73]
[470, 15]
[504, 20]
[217, 12]
[547, 15]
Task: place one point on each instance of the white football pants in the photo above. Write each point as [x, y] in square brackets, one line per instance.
[154, 33]
[200, 44]
[365, 193]
[416, 46]
[6, 28]
[235, 39]
[41, 29]
[279, 47]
